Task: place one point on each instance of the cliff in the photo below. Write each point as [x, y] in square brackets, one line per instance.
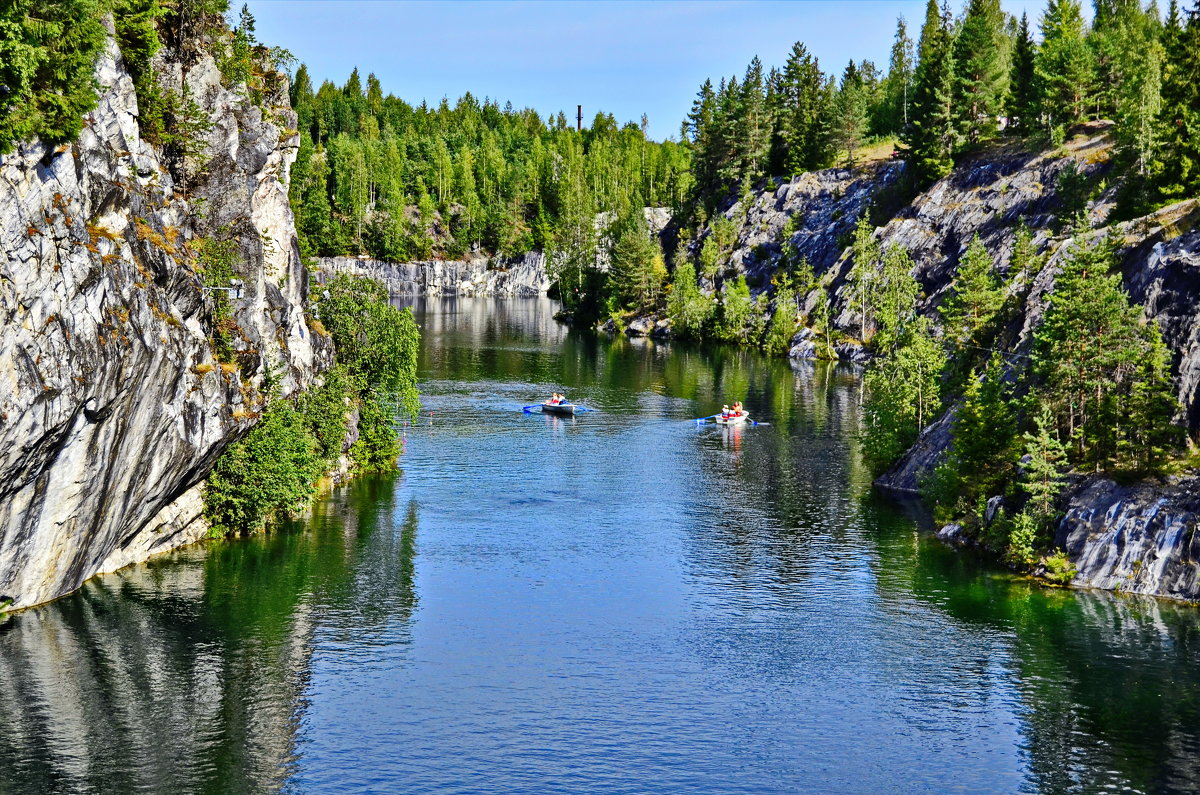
[1136, 538]
[113, 405]
[497, 276]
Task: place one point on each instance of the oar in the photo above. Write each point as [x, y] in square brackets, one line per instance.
[527, 410]
[584, 408]
[709, 417]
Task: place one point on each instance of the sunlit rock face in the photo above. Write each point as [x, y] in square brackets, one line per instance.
[523, 276]
[1137, 539]
[112, 406]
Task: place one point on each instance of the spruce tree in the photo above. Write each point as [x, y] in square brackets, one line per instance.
[932, 137]
[1024, 102]
[1064, 63]
[980, 69]
[1177, 169]
[898, 87]
[1042, 473]
[850, 111]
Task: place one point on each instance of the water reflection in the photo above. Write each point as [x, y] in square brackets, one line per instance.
[619, 601]
[187, 674]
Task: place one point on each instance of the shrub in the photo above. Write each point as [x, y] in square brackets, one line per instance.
[271, 471]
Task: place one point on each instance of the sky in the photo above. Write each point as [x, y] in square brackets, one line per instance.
[626, 57]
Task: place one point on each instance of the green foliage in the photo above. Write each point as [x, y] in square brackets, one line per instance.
[376, 342]
[851, 113]
[983, 431]
[1042, 473]
[48, 51]
[903, 395]
[636, 273]
[324, 408]
[1103, 373]
[864, 276]
[932, 135]
[377, 445]
[735, 310]
[418, 182]
[1176, 167]
[274, 469]
[690, 311]
[981, 69]
[782, 328]
[977, 296]
[270, 472]
[217, 258]
[1064, 65]
[1023, 101]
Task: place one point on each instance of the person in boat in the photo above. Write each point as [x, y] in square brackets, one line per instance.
[737, 409]
[724, 412]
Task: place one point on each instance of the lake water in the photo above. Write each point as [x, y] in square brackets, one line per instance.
[620, 602]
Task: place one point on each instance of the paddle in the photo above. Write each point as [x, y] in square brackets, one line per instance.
[526, 409]
[709, 417]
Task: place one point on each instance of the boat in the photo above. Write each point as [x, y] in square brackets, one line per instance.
[732, 419]
[558, 408]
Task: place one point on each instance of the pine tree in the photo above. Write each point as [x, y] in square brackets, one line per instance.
[1101, 371]
[980, 69]
[932, 136]
[976, 299]
[1042, 472]
[850, 112]
[1024, 102]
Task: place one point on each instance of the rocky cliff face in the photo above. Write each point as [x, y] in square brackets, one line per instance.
[824, 206]
[1134, 538]
[498, 276]
[112, 404]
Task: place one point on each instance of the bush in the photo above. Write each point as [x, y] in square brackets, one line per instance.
[377, 447]
[272, 471]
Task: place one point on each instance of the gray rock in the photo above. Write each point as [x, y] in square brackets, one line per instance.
[950, 532]
[851, 352]
[992, 509]
[641, 327]
[1138, 539]
[112, 408]
[803, 350]
[496, 276]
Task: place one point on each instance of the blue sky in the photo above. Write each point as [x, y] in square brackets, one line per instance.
[627, 58]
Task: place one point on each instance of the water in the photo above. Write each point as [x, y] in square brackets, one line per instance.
[616, 603]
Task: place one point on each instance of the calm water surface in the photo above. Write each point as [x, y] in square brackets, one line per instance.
[617, 603]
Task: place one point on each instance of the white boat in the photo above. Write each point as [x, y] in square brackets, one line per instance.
[732, 419]
[558, 408]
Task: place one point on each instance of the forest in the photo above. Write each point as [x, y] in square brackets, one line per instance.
[377, 175]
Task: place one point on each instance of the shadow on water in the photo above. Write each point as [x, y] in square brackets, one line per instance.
[186, 674]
